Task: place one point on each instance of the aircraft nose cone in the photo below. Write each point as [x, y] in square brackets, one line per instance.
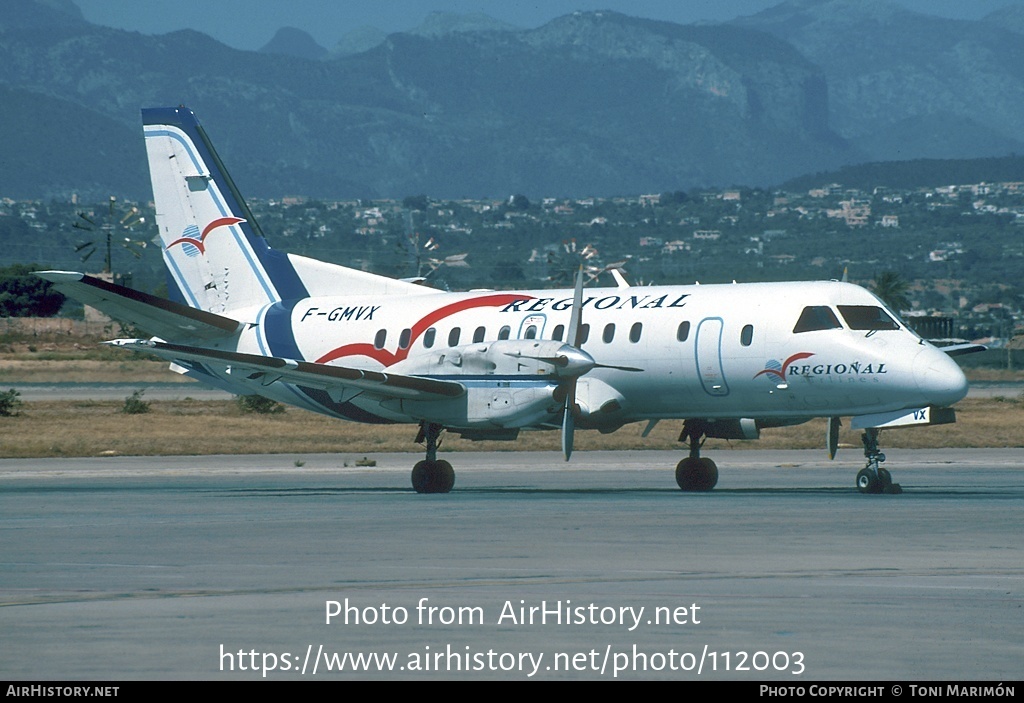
[938, 377]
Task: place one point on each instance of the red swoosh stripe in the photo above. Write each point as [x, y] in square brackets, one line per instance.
[221, 222]
[198, 243]
[388, 358]
[785, 365]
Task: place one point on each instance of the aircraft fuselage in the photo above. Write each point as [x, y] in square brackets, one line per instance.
[709, 351]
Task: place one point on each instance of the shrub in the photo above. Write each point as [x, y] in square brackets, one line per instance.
[134, 404]
[9, 403]
[259, 405]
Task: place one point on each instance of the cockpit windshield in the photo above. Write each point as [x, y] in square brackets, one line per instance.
[867, 317]
[816, 317]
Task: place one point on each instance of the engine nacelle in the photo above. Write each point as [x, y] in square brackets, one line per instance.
[509, 383]
[486, 404]
[508, 357]
[740, 428]
[601, 406]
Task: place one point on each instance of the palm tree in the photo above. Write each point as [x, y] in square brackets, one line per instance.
[892, 289]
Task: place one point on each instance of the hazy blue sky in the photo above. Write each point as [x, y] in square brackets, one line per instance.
[249, 24]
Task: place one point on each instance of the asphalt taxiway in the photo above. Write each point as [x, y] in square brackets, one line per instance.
[224, 566]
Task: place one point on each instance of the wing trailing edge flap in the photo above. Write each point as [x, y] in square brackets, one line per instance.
[339, 381]
[161, 317]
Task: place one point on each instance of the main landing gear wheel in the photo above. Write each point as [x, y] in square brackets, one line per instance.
[694, 474]
[433, 476]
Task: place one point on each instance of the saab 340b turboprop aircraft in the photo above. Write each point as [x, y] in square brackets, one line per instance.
[727, 360]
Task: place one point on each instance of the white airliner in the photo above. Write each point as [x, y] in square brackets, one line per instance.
[727, 360]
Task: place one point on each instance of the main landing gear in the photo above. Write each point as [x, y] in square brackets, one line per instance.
[694, 473]
[432, 475]
[873, 478]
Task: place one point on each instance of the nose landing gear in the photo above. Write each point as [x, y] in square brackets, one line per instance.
[873, 478]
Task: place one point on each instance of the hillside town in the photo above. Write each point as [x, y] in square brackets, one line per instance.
[959, 249]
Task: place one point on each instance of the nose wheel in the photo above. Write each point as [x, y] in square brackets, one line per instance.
[873, 478]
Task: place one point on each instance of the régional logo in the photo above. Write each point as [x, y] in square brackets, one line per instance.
[773, 367]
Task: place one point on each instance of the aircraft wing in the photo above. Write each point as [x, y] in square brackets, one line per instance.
[270, 369]
[163, 318]
[961, 349]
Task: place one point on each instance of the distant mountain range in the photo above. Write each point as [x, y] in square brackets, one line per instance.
[591, 103]
[902, 85]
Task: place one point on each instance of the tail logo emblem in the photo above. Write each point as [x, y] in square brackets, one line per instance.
[192, 241]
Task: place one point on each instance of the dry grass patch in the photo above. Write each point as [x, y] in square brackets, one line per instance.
[218, 427]
[124, 370]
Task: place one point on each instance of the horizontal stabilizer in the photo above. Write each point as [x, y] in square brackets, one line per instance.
[338, 380]
[160, 317]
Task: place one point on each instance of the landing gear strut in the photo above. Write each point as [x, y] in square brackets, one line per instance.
[694, 473]
[432, 475]
[873, 478]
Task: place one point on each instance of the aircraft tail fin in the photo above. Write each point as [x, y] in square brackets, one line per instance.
[214, 250]
[216, 255]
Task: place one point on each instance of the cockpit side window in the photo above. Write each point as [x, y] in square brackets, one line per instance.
[867, 317]
[817, 317]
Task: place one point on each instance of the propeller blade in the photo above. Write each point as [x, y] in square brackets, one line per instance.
[580, 361]
[568, 421]
[832, 437]
[575, 338]
[576, 314]
[559, 361]
[619, 368]
[571, 360]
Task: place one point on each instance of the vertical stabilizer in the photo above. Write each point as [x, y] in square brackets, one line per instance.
[215, 253]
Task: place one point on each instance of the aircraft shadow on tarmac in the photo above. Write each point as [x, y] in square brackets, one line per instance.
[508, 490]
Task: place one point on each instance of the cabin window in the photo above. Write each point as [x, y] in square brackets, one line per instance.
[584, 334]
[683, 331]
[504, 332]
[380, 339]
[403, 339]
[609, 333]
[867, 317]
[453, 337]
[428, 337]
[747, 335]
[479, 334]
[531, 332]
[817, 317]
[635, 331]
[558, 332]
